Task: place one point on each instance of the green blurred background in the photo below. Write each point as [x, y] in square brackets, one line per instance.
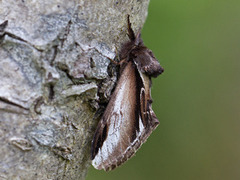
[197, 99]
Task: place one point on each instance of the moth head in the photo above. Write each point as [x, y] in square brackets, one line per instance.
[146, 61]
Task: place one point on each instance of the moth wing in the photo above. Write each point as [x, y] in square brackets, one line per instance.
[117, 128]
[147, 115]
[127, 121]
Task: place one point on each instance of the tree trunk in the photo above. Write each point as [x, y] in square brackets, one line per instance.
[55, 75]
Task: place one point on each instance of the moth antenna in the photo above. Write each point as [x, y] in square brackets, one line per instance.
[138, 39]
[131, 34]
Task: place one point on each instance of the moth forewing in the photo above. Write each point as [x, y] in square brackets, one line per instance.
[119, 118]
[127, 119]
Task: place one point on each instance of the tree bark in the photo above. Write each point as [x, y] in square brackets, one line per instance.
[55, 74]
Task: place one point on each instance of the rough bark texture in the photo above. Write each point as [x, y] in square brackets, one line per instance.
[55, 73]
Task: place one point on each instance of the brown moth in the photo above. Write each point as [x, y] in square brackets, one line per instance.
[128, 119]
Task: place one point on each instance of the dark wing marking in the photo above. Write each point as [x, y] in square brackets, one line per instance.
[99, 137]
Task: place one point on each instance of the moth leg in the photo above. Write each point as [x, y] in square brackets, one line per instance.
[122, 61]
[113, 61]
[118, 62]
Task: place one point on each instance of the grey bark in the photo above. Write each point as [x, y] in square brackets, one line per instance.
[55, 73]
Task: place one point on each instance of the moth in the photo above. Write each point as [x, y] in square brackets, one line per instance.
[128, 119]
